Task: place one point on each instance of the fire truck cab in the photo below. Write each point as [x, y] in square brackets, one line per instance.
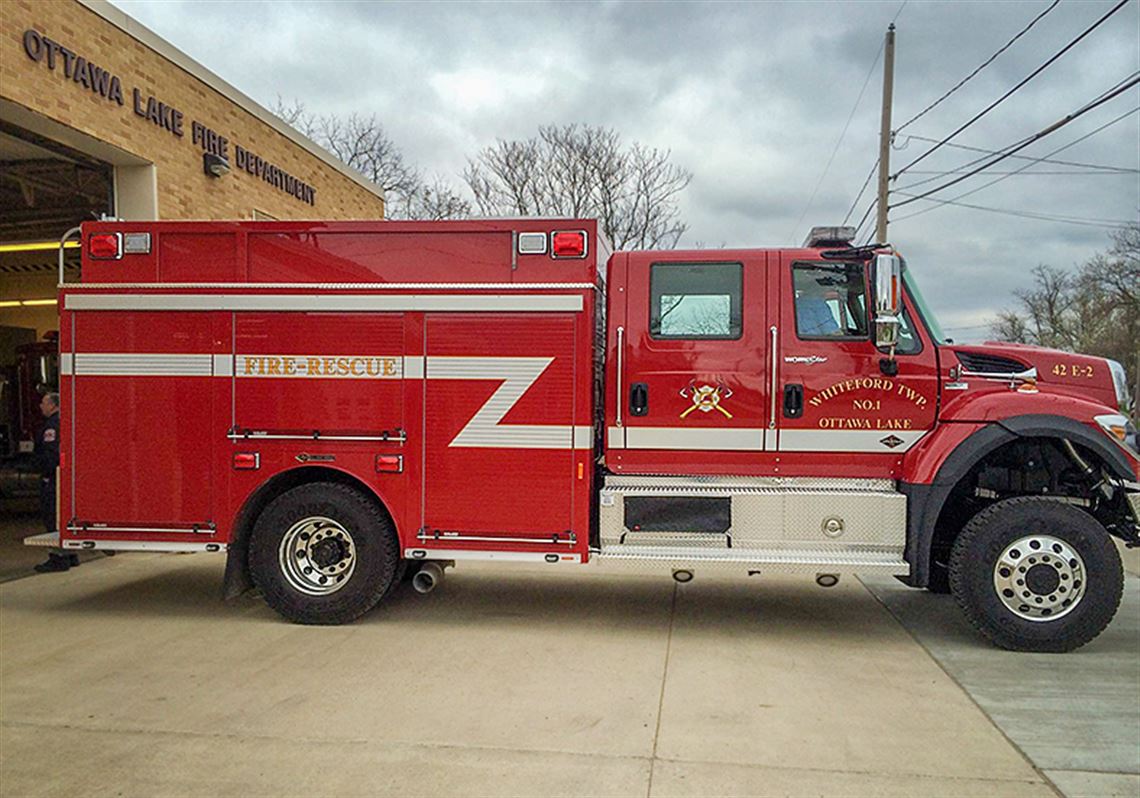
[342, 406]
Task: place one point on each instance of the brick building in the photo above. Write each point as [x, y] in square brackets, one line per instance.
[98, 115]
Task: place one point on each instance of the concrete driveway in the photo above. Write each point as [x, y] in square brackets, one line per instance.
[128, 676]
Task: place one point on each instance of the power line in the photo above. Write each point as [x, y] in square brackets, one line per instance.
[985, 64]
[1017, 86]
[1101, 167]
[1005, 175]
[1023, 173]
[866, 215]
[859, 196]
[842, 135]
[1047, 217]
[1053, 128]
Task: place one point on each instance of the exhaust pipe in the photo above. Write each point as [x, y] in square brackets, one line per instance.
[428, 577]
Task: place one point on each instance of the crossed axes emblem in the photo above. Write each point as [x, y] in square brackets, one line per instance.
[706, 398]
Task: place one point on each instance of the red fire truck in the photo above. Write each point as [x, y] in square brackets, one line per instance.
[338, 406]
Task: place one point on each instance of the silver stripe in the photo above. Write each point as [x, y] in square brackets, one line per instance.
[341, 286]
[504, 556]
[583, 437]
[741, 439]
[829, 440]
[65, 363]
[119, 364]
[328, 303]
[414, 367]
[615, 438]
[223, 365]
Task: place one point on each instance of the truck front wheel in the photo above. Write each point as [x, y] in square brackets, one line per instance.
[323, 553]
[1034, 574]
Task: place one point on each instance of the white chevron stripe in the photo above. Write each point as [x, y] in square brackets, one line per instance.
[485, 429]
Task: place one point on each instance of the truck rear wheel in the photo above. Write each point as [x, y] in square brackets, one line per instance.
[323, 553]
[1034, 574]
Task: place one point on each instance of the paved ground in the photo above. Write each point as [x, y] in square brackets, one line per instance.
[18, 519]
[128, 676]
[1076, 716]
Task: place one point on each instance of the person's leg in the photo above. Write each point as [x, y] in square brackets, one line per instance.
[58, 560]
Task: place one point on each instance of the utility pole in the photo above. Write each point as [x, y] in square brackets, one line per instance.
[885, 133]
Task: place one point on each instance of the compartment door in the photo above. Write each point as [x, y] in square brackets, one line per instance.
[499, 429]
[145, 419]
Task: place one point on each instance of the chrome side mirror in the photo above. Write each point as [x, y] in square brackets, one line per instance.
[888, 300]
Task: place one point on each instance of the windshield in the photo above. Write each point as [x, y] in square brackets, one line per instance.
[923, 309]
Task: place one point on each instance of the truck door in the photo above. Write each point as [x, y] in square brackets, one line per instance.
[693, 363]
[834, 396]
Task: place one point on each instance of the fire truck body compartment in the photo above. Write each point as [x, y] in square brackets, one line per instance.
[431, 365]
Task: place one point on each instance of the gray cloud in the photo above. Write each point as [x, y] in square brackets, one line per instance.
[750, 96]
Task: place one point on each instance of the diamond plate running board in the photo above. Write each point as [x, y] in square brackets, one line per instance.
[781, 559]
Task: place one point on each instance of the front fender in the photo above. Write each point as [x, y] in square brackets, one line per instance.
[1000, 403]
[932, 469]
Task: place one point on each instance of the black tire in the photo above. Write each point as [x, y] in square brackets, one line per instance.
[370, 556]
[991, 533]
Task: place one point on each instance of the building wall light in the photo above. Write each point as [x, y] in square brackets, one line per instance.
[215, 165]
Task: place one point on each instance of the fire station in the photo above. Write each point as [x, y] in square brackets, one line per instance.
[101, 118]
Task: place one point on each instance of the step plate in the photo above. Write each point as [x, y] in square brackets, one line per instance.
[776, 560]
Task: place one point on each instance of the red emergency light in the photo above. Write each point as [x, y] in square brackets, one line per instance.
[568, 244]
[105, 246]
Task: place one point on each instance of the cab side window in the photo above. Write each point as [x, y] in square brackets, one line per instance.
[831, 300]
[696, 300]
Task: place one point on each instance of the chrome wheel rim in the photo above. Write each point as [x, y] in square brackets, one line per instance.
[1040, 578]
[317, 556]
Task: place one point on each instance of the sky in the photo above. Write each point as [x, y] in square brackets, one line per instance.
[774, 107]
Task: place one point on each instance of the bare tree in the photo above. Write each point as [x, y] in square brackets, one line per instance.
[1095, 309]
[584, 171]
[432, 201]
[362, 143]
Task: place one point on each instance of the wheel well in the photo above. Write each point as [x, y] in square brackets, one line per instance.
[237, 579]
[1029, 466]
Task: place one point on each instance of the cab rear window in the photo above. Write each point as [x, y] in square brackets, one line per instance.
[696, 300]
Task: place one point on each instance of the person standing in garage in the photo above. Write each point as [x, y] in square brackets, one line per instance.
[47, 460]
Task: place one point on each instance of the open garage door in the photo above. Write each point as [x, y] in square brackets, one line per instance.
[45, 189]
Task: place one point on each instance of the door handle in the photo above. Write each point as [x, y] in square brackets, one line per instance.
[793, 400]
[638, 399]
